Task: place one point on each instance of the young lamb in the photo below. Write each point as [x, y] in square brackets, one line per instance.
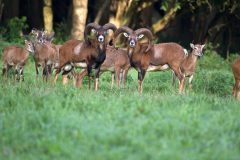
[188, 66]
[16, 57]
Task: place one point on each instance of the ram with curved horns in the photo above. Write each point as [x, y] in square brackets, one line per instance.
[88, 53]
[151, 57]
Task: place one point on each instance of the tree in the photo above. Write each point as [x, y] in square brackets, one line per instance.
[80, 11]
[1, 9]
[170, 7]
[48, 15]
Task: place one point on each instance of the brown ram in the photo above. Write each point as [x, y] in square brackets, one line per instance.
[91, 52]
[148, 57]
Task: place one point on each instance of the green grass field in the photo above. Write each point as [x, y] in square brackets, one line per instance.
[43, 121]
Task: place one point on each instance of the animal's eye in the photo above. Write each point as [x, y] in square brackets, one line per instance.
[125, 34]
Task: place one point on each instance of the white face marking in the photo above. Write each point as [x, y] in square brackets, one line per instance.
[132, 43]
[93, 30]
[140, 36]
[125, 35]
[101, 38]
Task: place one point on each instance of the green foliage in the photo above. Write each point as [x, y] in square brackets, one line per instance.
[212, 60]
[166, 3]
[61, 33]
[14, 29]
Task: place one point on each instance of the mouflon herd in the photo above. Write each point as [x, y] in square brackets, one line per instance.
[98, 51]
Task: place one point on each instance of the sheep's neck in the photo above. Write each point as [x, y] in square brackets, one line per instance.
[191, 60]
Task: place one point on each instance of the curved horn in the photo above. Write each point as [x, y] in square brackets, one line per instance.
[88, 29]
[110, 26]
[148, 34]
[50, 36]
[121, 30]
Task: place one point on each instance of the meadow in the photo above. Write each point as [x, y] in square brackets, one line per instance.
[43, 121]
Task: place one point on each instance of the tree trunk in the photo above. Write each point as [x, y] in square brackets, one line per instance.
[11, 9]
[1, 9]
[79, 18]
[48, 15]
[101, 11]
[124, 8]
[159, 25]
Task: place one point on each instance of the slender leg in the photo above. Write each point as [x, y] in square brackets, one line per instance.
[64, 79]
[181, 78]
[237, 90]
[58, 70]
[21, 73]
[112, 83]
[173, 79]
[125, 72]
[36, 67]
[16, 72]
[117, 73]
[80, 77]
[89, 70]
[44, 72]
[5, 71]
[97, 78]
[141, 75]
[190, 82]
[121, 78]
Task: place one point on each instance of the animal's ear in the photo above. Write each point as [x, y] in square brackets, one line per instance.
[192, 45]
[125, 34]
[202, 46]
[140, 36]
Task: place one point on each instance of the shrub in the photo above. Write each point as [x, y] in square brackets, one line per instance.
[14, 29]
[62, 33]
[212, 60]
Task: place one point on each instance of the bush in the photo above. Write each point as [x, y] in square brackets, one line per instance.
[212, 60]
[62, 33]
[14, 29]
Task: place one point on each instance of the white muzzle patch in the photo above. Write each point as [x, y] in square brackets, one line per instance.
[101, 38]
[132, 43]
